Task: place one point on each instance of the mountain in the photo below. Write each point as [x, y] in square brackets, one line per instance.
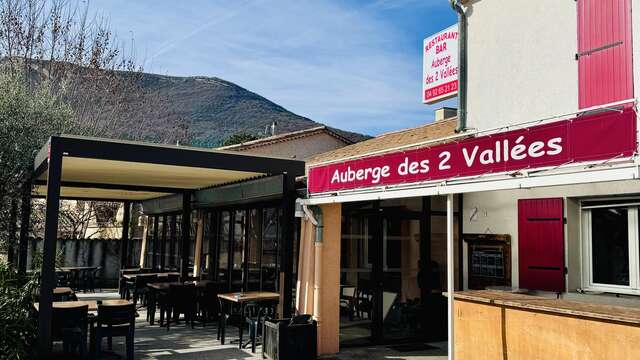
[215, 109]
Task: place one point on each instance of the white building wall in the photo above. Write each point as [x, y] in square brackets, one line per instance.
[498, 214]
[521, 60]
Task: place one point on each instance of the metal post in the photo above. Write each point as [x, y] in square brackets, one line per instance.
[450, 275]
[186, 235]
[25, 222]
[286, 253]
[124, 244]
[47, 272]
[172, 242]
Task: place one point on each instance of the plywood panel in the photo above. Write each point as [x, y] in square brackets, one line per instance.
[478, 330]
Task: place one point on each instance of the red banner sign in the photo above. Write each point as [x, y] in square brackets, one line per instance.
[588, 138]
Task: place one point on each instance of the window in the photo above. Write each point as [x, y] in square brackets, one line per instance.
[611, 254]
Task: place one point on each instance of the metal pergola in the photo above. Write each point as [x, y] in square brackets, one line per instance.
[82, 168]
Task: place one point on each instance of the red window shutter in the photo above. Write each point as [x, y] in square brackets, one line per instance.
[605, 68]
[541, 244]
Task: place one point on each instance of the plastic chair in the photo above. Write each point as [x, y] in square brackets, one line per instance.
[69, 325]
[115, 321]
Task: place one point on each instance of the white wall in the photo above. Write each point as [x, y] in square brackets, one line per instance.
[521, 60]
[498, 214]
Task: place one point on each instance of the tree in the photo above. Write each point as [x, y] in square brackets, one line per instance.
[53, 52]
[239, 138]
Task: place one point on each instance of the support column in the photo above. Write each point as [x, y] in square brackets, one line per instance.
[143, 245]
[124, 242]
[13, 227]
[197, 257]
[286, 248]
[328, 285]
[25, 223]
[450, 275]
[47, 272]
[172, 242]
[186, 238]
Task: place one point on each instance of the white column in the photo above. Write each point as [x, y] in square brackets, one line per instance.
[450, 274]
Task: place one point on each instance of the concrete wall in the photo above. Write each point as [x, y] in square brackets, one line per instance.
[521, 58]
[301, 148]
[90, 252]
[498, 214]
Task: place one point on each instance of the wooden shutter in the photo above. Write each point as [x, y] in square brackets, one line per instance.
[541, 244]
[604, 55]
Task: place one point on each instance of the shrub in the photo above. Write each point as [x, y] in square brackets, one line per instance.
[18, 329]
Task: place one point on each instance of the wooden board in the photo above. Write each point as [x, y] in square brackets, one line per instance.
[160, 274]
[493, 325]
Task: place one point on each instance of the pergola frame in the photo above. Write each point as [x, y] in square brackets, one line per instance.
[51, 157]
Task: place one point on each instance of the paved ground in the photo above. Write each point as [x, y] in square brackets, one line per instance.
[181, 342]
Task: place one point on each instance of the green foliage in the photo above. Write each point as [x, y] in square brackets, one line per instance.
[17, 327]
[239, 138]
[28, 117]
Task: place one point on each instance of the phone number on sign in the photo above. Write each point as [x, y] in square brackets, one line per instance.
[441, 90]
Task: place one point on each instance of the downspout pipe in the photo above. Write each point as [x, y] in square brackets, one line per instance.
[462, 66]
[315, 217]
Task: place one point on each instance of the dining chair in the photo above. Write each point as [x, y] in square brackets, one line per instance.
[182, 299]
[140, 290]
[208, 305]
[115, 321]
[69, 325]
[255, 315]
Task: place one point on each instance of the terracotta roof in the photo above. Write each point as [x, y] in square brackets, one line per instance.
[389, 141]
[285, 137]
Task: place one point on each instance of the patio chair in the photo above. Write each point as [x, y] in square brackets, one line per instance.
[90, 278]
[124, 285]
[208, 303]
[182, 299]
[255, 315]
[140, 289]
[173, 278]
[69, 325]
[63, 279]
[115, 321]
[347, 300]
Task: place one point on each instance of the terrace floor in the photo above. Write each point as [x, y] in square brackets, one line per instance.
[182, 342]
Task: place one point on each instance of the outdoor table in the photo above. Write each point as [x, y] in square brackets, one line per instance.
[92, 304]
[63, 290]
[75, 272]
[160, 274]
[241, 298]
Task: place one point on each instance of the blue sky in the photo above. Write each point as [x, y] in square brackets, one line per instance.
[355, 65]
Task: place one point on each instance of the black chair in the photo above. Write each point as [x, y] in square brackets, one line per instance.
[255, 315]
[89, 279]
[115, 321]
[208, 305]
[173, 278]
[63, 279]
[294, 338]
[182, 299]
[140, 289]
[66, 296]
[69, 325]
[124, 284]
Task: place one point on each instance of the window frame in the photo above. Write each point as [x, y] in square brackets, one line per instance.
[634, 254]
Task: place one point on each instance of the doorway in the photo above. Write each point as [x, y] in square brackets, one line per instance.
[391, 272]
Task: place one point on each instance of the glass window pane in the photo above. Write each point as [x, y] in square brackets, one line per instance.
[223, 254]
[270, 235]
[610, 246]
[254, 250]
[238, 250]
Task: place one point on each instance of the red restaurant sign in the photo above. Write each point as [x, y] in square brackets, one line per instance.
[588, 138]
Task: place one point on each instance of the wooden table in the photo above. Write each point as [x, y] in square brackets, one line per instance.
[63, 290]
[92, 304]
[160, 274]
[241, 298]
[163, 287]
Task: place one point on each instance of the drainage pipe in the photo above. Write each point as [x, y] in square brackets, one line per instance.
[316, 219]
[462, 66]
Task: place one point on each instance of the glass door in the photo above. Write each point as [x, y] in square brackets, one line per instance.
[402, 306]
